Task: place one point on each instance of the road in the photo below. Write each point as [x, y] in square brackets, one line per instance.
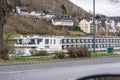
[60, 70]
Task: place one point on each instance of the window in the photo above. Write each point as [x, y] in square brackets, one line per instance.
[54, 41]
[32, 41]
[110, 40]
[86, 26]
[20, 41]
[86, 40]
[69, 41]
[74, 46]
[39, 40]
[107, 45]
[118, 45]
[69, 46]
[77, 46]
[82, 40]
[113, 40]
[90, 40]
[101, 40]
[74, 40]
[46, 46]
[46, 41]
[51, 41]
[96, 45]
[119, 40]
[78, 41]
[64, 41]
[88, 46]
[102, 45]
[104, 40]
[97, 40]
[64, 47]
[107, 40]
[92, 46]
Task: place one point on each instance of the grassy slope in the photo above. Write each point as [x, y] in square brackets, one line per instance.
[78, 33]
[16, 25]
[20, 25]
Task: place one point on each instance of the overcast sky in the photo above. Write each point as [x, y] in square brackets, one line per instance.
[102, 6]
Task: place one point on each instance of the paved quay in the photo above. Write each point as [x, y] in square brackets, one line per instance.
[62, 63]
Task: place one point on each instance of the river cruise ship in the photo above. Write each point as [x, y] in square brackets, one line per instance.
[62, 43]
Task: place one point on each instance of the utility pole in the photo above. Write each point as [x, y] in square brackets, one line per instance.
[43, 4]
[107, 24]
[94, 28]
[2, 15]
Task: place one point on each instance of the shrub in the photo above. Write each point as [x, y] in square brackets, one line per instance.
[79, 52]
[60, 55]
[39, 53]
[33, 51]
[72, 52]
[4, 53]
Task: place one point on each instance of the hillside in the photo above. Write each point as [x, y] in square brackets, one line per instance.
[59, 6]
[16, 24]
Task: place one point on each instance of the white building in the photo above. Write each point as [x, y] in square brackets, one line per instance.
[112, 26]
[61, 43]
[118, 24]
[48, 43]
[22, 11]
[85, 25]
[62, 20]
[37, 14]
[49, 14]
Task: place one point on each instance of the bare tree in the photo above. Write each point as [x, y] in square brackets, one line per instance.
[2, 16]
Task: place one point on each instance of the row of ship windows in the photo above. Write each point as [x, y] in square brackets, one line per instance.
[91, 46]
[89, 40]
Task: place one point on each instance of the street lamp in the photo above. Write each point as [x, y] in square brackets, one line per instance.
[94, 28]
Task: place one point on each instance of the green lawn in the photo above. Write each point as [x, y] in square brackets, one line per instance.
[104, 54]
[26, 59]
[14, 60]
[77, 33]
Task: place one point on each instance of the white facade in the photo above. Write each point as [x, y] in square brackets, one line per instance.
[61, 43]
[48, 43]
[49, 16]
[112, 25]
[62, 22]
[118, 24]
[18, 10]
[85, 25]
[37, 14]
[22, 11]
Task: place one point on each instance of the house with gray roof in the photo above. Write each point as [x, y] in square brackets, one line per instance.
[62, 20]
[22, 11]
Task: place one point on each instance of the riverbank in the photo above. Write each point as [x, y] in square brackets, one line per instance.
[41, 59]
